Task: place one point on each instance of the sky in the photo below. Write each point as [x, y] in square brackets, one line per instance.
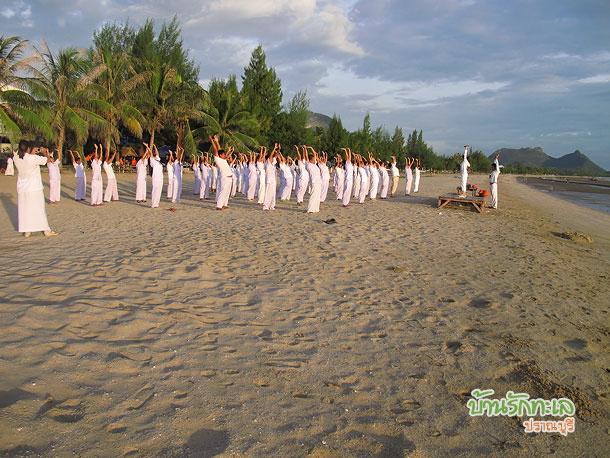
[493, 74]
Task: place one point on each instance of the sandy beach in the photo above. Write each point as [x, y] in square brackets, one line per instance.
[196, 333]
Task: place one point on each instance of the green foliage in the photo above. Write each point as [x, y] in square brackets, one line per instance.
[116, 38]
[262, 92]
[336, 136]
[479, 162]
[290, 125]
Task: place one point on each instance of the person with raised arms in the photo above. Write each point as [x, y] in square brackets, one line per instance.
[79, 173]
[417, 176]
[349, 177]
[464, 171]
[177, 187]
[313, 206]
[225, 177]
[322, 160]
[395, 177]
[408, 175]
[97, 185]
[271, 179]
[303, 179]
[141, 178]
[373, 167]
[170, 175]
[493, 182]
[252, 177]
[111, 186]
[54, 179]
[338, 177]
[157, 175]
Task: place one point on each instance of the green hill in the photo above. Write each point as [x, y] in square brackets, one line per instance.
[318, 120]
[536, 157]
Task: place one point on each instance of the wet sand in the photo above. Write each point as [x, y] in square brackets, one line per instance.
[198, 333]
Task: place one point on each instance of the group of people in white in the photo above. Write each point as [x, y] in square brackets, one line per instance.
[226, 173]
[493, 177]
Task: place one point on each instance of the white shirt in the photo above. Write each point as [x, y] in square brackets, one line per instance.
[108, 170]
[54, 170]
[223, 167]
[314, 173]
[395, 171]
[157, 169]
[79, 170]
[140, 170]
[96, 170]
[29, 179]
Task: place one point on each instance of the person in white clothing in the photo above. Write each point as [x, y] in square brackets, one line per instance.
[197, 172]
[417, 176]
[395, 177]
[10, 167]
[493, 182]
[177, 187]
[303, 179]
[170, 175]
[349, 177]
[270, 179]
[111, 186]
[225, 177]
[260, 166]
[31, 213]
[464, 171]
[322, 159]
[339, 178]
[204, 189]
[374, 178]
[313, 206]
[79, 173]
[97, 185]
[286, 172]
[252, 177]
[157, 176]
[141, 179]
[408, 175]
[385, 180]
[54, 180]
[364, 180]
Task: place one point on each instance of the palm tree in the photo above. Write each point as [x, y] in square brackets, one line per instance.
[65, 83]
[18, 109]
[116, 82]
[226, 116]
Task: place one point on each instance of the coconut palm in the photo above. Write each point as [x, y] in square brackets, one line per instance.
[116, 82]
[226, 116]
[18, 109]
[76, 105]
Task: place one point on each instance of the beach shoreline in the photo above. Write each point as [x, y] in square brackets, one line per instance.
[192, 332]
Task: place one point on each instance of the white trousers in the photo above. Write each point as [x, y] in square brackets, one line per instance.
[339, 188]
[416, 184]
[81, 188]
[464, 182]
[140, 190]
[223, 190]
[177, 189]
[54, 190]
[347, 191]
[313, 205]
[155, 194]
[269, 202]
[301, 188]
[31, 214]
[111, 190]
[494, 195]
[170, 186]
[324, 191]
[96, 192]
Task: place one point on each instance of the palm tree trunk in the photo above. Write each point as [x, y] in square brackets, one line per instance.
[59, 145]
[180, 133]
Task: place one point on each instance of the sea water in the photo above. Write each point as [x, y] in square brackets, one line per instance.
[587, 194]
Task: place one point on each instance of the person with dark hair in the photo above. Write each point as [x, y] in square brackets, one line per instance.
[97, 185]
[81, 179]
[225, 176]
[54, 179]
[493, 181]
[31, 213]
[112, 192]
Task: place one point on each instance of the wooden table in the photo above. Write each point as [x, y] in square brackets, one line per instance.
[477, 201]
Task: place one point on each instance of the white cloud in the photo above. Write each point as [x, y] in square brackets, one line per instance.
[18, 10]
[597, 79]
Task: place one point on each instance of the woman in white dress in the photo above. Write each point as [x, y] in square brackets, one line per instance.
[31, 214]
[177, 191]
[54, 180]
[10, 167]
[141, 179]
[170, 175]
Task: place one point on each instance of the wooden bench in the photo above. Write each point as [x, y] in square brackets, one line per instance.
[477, 201]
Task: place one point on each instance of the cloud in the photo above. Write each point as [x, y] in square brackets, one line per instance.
[19, 11]
[597, 79]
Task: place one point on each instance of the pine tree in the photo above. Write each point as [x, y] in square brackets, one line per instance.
[262, 91]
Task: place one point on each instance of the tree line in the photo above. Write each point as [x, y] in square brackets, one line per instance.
[135, 85]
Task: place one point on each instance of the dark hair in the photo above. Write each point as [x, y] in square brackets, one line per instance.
[221, 151]
[24, 147]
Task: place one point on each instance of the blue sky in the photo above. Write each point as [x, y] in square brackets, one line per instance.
[489, 73]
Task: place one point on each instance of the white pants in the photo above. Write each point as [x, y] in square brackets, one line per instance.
[54, 190]
[111, 190]
[155, 195]
[170, 186]
[81, 188]
[363, 191]
[374, 189]
[464, 182]
[287, 189]
[223, 190]
[408, 185]
[269, 202]
[339, 189]
[261, 189]
[31, 214]
[313, 205]
[177, 189]
[324, 190]
[252, 186]
[347, 191]
[140, 190]
[416, 184]
[96, 192]
[494, 195]
[301, 188]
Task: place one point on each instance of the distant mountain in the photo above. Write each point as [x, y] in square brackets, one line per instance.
[536, 157]
[318, 120]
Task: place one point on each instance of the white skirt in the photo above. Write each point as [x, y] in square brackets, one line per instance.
[31, 212]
